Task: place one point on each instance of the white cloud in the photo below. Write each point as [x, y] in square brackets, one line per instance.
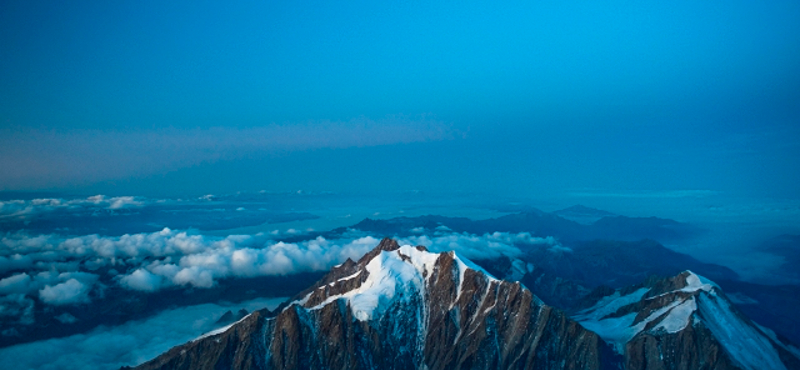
[153, 261]
[478, 247]
[68, 292]
[142, 280]
[194, 275]
[226, 258]
[51, 282]
[148, 262]
[15, 284]
[25, 209]
[557, 248]
[66, 318]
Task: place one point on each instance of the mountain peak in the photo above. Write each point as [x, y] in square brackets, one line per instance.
[400, 307]
[388, 244]
[665, 318]
[386, 274]
[685, 283]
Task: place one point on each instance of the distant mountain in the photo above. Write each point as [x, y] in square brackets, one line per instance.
[684, 322]
[535, 222]
[788, 247]
[400, 308]
[564, 276]
[554, 289]
[405, 225]
[618, 263]
[582, 214]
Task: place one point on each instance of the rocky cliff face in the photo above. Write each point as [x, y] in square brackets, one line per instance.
[400, 308]
[684, 322]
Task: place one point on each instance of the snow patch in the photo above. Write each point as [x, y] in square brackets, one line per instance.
[300, 302]
[344, 278]
[616, 331]
[610, 304]
[619, 330]
[696, 282]
[744, 343]
[748, 347]
[393, 276]
[678, 317]
[463, 266]
[216, 331]
[389, 279]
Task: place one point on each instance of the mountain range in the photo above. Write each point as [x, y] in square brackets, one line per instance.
[605, 226]
[562, 277]
[403, 307]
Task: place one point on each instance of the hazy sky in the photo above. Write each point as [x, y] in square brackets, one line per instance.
[528, 98]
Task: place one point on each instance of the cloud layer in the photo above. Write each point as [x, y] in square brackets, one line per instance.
[64, 270]
[59, 270]
[40, 272]
[25, 209]
[126, 345]
[487, 246]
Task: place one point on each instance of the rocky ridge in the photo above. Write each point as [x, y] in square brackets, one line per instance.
[684, 322]
[400, 308]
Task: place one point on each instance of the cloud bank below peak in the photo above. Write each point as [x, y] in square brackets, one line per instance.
[64, 270]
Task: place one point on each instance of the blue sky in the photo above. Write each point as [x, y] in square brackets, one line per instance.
[527, 98]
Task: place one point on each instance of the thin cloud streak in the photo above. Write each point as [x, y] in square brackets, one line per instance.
[692, 193]
[31, 158]
[26, 209]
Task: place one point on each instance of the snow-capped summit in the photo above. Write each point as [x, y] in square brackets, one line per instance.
[684, 322]
[394, 276]
[400, 307]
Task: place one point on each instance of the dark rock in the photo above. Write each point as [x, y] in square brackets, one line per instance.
[226, 318]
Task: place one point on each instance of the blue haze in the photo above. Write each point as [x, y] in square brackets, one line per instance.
[329, 112]
[540, 100]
